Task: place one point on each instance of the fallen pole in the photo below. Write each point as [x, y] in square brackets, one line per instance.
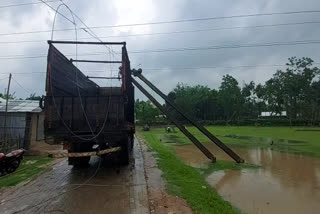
[194, 140]
[213, 138]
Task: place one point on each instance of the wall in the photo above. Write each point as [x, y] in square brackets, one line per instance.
[16, 123]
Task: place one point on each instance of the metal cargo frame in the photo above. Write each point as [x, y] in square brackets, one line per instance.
[63, 102]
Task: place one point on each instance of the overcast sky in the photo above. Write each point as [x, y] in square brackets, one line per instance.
[165, 69]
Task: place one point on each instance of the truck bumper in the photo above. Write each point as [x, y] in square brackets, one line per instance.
[84, 154]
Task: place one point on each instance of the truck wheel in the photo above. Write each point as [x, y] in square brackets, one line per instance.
[125, 153]
[79, 161]
[131, 142]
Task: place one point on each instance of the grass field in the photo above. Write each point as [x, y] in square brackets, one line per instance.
[29, 168]
[187, 182]
[305, 142]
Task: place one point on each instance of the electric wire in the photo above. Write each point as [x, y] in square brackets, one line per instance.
[51, 87]
[169, 22]
[27, 208]
[25, 4]
[57, 11]
[180, 49]
[76, 37]
[94, 36]
[301, 42]
[171, 68]
[173, 32]
[109, 100]
[21, 86]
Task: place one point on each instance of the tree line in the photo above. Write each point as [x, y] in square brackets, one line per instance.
[12, 96]
[295, 90]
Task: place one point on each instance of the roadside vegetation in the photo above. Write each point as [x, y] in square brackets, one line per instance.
[187, 182]
[29, 168]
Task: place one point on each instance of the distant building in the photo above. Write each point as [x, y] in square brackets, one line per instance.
[272, 114]
[24, 124]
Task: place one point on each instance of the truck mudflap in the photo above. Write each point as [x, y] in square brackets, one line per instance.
[84, 154]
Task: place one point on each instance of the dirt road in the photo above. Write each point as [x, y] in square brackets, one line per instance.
[95, 189]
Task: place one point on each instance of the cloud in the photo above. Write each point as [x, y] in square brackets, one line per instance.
[167, 64]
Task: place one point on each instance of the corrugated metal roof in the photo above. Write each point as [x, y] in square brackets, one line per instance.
[20, 105]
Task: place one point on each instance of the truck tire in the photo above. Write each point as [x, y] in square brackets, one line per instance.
[125, 152]
[79, 161]
[132, 141]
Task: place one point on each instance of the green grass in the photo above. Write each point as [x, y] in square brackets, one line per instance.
[310, 147]
[29, 168]
[225, 165]
[186, 181]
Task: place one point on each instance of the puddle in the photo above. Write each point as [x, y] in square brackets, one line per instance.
[266, 140]
[171, 138]
[286, 183]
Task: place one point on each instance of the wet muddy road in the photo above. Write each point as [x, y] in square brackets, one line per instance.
[286, 183]
[95, 189]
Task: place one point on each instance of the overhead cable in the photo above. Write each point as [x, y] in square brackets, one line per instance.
[171, 21]
[176, 32]
[180, 49]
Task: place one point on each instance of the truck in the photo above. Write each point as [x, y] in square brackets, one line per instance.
[85, 118]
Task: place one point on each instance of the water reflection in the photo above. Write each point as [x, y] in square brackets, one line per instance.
[287, 183]
[266, 140]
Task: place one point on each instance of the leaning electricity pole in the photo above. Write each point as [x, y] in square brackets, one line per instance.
[5, 115]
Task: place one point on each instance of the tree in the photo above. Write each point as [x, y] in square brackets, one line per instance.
[291, 90]
[297, 82]
[198, 101]
[10, 97]
[249, 106]
[33, 97]
[260, 93]
[230, 97]
[273, 94]
[145, 111]
[315, 103]
[295, 90]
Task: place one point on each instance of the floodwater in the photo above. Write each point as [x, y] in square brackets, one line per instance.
[265, 140]
[286, 183]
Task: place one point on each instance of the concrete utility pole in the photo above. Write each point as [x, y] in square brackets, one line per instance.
[5, 115]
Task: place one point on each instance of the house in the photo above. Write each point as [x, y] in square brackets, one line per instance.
[24, 126]
[272, 114]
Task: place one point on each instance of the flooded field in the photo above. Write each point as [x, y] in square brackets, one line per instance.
[266, 140]
[286, 183]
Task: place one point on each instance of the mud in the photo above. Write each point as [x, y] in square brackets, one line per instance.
[160, 201]
[94, 189]
[286, 183]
